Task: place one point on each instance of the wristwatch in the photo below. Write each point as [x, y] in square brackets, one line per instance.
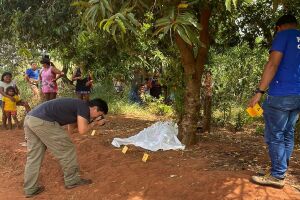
[259, 91]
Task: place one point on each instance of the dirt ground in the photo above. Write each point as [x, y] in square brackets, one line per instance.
[219, 167]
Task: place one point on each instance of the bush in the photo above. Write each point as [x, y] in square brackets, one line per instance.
[236, 73]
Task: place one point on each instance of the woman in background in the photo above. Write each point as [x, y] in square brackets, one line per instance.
[84, 83]
[48, 76]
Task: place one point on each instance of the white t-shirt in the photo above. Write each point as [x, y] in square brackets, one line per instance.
[6, 85]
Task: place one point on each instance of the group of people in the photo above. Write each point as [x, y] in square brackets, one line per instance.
[150, 86]
[43, 124]
[43, 83]
[47, 78]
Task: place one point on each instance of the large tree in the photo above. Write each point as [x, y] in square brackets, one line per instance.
[189, 24]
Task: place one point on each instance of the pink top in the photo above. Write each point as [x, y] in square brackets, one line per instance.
[48, 86]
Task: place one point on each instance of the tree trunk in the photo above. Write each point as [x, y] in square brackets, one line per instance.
[193, 70]
[188, 125]
[207, 102]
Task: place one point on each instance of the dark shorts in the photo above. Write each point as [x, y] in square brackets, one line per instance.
[11, 112]
[83, 92]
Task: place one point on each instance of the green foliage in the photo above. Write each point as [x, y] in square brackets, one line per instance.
[259, 130]
[228, 3]
[185, 24]
[120, 104]
[236, 73]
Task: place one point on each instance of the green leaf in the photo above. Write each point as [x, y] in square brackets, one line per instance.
[228, 4]
[94, 1]
[121, 16]
[158, 30]
[102, 9]
[113, 31]
[235, 3]
[192, 35]
[162, 21]
[180, 30]
[108, 24]
[80, 4]
[101, 23]
[141, 2]
[107, 5]
[130, 27]
[121, 25]
[172, 13]
[132, 19]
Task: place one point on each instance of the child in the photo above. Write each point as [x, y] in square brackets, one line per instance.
[10, 107]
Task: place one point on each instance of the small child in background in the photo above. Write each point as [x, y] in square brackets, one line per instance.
[10, 107]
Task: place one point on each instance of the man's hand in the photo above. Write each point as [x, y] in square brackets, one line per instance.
[100, 122]
[255, 99]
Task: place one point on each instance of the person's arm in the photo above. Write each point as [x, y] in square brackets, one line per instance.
[84, 126]
[90, 81]
[3, 104]
[74, 77]
[17, 90]
[5, 95]
[269, 72]
[57, 71]
[2, 92]
[27, 78]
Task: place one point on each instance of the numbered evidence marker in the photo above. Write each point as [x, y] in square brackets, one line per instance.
[255, 111]
[145, 157]
[124, 150]
[93, 132]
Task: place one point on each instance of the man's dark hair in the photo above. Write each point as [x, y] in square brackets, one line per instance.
[101, 104]
[5, 74]
[286, 19]
[10, 88]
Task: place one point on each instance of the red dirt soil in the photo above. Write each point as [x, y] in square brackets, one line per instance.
[219, 167]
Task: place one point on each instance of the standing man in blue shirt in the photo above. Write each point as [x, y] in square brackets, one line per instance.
[32, 77]
[281, 76]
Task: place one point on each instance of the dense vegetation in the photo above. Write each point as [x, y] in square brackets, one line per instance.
[133, 39]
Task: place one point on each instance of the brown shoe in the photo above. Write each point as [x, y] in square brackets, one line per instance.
[268, 180]
[79, 183]
[39, 190]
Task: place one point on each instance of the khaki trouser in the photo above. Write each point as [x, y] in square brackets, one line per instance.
[41, 135]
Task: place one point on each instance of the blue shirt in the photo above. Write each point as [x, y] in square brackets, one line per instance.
[286, 81]
[34, 74]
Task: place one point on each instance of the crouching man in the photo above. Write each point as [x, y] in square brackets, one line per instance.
[43, 130]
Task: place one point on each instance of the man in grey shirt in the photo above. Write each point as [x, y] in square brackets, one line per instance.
[43, 130]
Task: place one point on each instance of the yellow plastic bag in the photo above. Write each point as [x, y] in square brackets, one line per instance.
[255, 111]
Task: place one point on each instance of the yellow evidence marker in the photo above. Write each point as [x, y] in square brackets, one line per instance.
[255, 111]
[124, 150]
[93, 132]
[145, 157]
